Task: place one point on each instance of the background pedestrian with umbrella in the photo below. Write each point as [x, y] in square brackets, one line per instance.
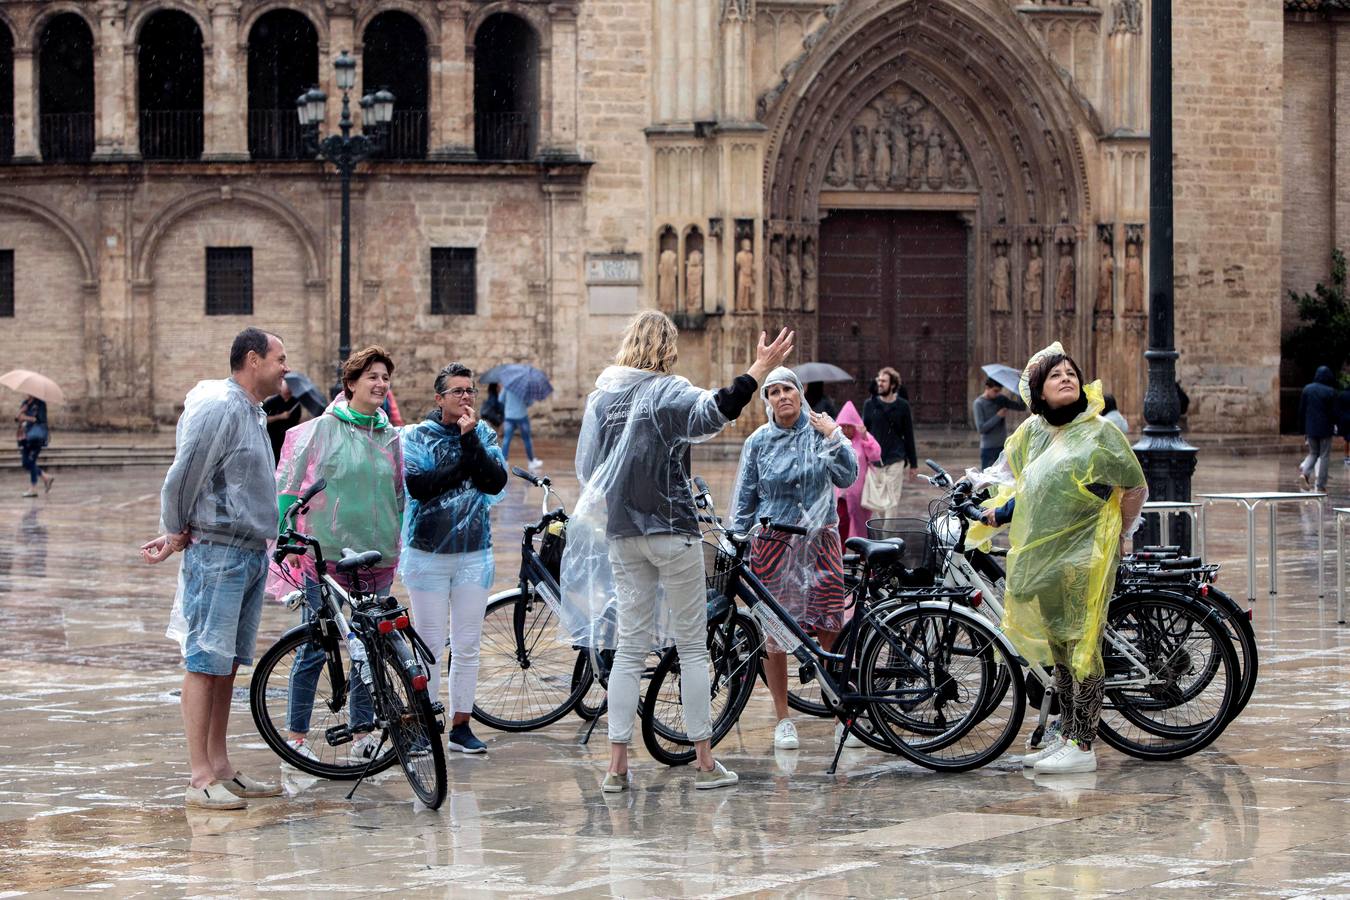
[814, 375]
[521, 386]
[991, 410]
[33, 432]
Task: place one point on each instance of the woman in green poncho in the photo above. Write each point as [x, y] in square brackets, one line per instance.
[1079, 490]
[355, 449]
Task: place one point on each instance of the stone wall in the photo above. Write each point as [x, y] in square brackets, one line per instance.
[1309, 182]
[1228, 95]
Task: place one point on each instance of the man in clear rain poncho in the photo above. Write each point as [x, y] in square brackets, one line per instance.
[632, 571]
[218, 506]
[789, 470]
[1077, 490]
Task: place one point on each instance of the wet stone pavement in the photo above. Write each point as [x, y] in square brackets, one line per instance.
[92, 763]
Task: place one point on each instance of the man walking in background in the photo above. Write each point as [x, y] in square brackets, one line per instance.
[1317, 420]
[991, 420]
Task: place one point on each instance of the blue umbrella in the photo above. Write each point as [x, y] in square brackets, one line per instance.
[494, 374]
[526, 382]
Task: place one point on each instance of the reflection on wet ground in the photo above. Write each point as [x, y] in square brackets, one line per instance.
[92, 764]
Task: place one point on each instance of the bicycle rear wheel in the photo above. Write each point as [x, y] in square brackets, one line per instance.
[527, 674]
[277, 694]
[945, 690]
[1192, 666]
[412, 724]
[734, 647]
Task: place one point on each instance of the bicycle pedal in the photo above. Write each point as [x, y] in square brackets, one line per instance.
[338, 735]
[438, 708]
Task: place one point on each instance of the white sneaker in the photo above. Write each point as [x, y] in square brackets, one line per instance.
[852, 742]
[785, 735]
[1069, 759]
[363, 748]
[1048, 749]
[536, 465]
[300, 746]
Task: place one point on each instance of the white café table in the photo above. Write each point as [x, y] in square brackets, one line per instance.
[1166, 509]
[1342, 512]
[1251, 500]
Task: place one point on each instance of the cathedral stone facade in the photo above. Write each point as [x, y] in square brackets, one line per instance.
[927, 184]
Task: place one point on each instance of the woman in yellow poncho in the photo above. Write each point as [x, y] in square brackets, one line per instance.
[1079, 490]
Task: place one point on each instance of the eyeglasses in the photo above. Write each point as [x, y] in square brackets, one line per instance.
[460, 392]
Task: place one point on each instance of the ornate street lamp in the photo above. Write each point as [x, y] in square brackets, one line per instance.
[1168, 460]
[346, 151]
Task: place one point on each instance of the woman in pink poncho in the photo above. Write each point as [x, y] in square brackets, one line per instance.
[852, 515]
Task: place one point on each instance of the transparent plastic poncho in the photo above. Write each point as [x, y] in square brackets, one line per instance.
[635, 435]
[789, 476]
[220, 471]
[455, 522]
[361, 459]
[1069, 482]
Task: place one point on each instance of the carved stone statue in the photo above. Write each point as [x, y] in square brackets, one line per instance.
[1134, 279]
[837, 174]
[809, 280]
[937, 160]
[899, 150]
[958, 176]
[881, 157]
[1033, 278]
[862, 163]
[918, 157]
[693, 282]
[794, 279]
[1065, 294]
[1000, 281]
[1106, 283]
[665, 281]
[745, 278]
[775, 273]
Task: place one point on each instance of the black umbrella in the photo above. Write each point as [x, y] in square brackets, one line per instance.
[303, 389]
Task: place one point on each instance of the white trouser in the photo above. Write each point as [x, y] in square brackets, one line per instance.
[450, 594]
[641, 565]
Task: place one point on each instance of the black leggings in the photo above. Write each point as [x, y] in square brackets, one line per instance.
[1080, 702]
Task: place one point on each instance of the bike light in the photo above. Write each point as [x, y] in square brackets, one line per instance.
[401, 622]
[386, 626]
[419, 682]
[1204, 590]
[1249, 614]
[977, 598]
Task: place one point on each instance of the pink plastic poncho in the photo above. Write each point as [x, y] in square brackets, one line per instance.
[868, 451]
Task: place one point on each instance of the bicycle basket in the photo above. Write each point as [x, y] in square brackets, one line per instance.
[551, 548]
[718, 566]
[920, 543]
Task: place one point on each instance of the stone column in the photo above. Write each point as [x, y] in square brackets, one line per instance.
[451, 101]
[1340, 36]
[25, 107]
[563, 93]
[566, 325]
[226, 98]
[114, 106]
[737, 91]
[132, 130]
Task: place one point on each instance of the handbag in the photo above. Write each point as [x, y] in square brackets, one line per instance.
[884, 486]
[37, 433]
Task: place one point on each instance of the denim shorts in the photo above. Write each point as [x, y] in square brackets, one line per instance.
[223, 589]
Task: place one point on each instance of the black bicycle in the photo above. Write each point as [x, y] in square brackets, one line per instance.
[911, 676]
[379, 689]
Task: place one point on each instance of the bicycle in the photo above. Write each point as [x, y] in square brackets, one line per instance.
[1166, 656]
[910, 678]
[387, 661]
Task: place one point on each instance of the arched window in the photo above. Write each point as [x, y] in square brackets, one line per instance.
[505, 88]
[66, 90]
[6, 94]
[283, 63]
[169, 86]
[395, 57]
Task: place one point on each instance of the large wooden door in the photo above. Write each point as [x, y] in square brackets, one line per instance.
[893, 293]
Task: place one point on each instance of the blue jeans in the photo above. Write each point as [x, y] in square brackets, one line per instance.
[989, 456]
[309, 663]
[509, 430]
[28, 455]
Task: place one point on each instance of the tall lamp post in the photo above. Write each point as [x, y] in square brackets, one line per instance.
[1168, 461]
[346, 151]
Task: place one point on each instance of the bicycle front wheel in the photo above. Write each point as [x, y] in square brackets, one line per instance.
[733, 665]
[294, 689]
[527, 675]
[414, 729]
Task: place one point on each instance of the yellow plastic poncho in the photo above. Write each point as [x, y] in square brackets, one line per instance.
[1065, 539]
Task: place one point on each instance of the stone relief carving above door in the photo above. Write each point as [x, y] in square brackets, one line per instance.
[899, 142]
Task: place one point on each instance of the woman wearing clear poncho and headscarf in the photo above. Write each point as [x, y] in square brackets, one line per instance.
[789, 470]
[632, 570]
[1078, 490]
[354, 448]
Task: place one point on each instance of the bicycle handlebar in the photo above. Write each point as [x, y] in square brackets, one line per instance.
[530, 477]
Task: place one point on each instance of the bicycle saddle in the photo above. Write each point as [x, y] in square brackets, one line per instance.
[351, 562]
[877, 552]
